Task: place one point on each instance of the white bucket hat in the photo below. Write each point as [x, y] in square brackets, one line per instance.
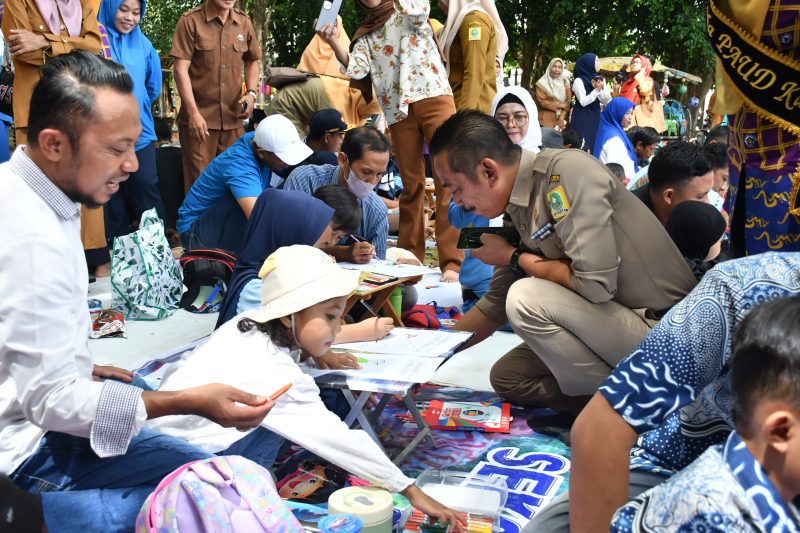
[297, 277]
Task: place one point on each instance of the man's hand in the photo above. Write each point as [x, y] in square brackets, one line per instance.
[22, 41]
[337, 361]
[495, 250]
[99, 373]
[361, 252]
[228, 406]
[198, 127]
[246, 105]
[444, 515]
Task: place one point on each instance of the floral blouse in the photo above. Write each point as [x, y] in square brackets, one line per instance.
[403, 59]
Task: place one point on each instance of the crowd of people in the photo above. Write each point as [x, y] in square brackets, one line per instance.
[651, 318]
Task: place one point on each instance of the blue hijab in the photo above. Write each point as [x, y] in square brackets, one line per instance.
[611, 126]
[133, 44]
[279, 218]
[136, 53]
[585, 71]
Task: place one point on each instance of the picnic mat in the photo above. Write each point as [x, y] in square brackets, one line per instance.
[535, 467]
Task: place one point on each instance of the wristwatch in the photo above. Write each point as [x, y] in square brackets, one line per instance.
[513, 264]
[253, 92]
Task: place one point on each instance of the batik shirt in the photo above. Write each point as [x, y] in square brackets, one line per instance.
[674, 389]
[763, 156]
[724, 490]
[403, 59]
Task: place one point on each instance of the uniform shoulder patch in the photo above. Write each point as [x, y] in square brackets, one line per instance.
[474, 33]
[558, 202]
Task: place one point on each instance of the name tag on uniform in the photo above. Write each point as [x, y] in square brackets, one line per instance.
[543, 232]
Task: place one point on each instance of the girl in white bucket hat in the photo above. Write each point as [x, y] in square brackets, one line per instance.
[303, 296]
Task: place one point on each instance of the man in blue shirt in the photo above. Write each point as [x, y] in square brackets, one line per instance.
[361, 163]
[215, 211]
[671, 397]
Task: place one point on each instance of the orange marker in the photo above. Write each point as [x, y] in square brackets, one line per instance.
[278, 393]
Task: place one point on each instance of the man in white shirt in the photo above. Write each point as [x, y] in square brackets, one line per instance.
[80, 442]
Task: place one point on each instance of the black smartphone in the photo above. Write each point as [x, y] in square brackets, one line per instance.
[244, 106]
[470, 238]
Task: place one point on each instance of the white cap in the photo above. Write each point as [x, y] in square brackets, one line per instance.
[297, 277]
[278, 135]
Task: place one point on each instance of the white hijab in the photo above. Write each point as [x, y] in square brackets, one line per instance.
[533, 139]
[456, 11]
[556, 87]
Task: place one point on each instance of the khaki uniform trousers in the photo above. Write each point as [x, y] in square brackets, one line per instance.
[197, 155]
[408, 136]
[571, 345]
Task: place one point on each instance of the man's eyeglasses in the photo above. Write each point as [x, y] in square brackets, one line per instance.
[517, 119]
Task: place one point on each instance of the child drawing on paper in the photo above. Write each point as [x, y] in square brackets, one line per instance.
[304, 293]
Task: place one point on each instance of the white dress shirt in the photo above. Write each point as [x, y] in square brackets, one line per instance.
[253, 363]
[45, 366]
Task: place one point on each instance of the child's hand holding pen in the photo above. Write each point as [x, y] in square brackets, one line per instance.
[361, 250]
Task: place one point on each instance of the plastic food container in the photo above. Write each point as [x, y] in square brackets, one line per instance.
[468, 493]
[372, 505]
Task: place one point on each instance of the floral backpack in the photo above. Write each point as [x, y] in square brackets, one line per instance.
[219, 494]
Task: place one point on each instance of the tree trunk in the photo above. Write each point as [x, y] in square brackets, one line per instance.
[528, 54]
[262, 11]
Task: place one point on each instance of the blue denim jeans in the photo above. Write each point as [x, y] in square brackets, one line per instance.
[82, 493]
[221, 226]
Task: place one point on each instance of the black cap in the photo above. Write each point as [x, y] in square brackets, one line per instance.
[326, 121]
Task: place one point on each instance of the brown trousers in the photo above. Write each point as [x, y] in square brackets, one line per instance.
[408, 136]
[197, 155]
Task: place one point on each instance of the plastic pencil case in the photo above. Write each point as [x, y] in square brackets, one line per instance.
[468, 493]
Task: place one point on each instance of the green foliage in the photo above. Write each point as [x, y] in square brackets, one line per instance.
[160, 21]
[671, 30]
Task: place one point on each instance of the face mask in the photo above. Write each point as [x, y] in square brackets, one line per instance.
[360, 188]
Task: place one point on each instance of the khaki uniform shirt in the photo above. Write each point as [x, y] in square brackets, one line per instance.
[567, 205]
[24, 15]
[217, 53]
[472, 63]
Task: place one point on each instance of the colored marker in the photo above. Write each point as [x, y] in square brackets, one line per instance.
[278, 393]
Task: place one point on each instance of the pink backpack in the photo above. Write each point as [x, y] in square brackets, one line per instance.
[219, 494]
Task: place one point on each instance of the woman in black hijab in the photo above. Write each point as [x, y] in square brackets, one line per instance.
[697, 229]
